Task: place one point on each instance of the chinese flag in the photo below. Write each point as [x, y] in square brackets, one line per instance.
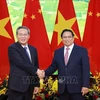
[34, 21]
[6, 38]
[91, 38]
[66, 19]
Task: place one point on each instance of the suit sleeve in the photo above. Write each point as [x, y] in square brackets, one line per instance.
[17, 59]
[53, 67]
[85, 68]
[36, 78]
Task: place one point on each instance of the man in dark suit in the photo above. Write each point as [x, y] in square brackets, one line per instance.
[73, 67]
[24, 69]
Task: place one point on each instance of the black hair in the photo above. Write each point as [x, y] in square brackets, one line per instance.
[67, 30]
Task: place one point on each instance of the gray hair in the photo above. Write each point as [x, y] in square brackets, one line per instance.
[22, 27]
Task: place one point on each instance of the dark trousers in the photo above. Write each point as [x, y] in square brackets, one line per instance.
[71, 96]
[15, 95]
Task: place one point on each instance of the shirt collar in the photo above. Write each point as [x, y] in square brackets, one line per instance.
[71, 46]
[25, 45]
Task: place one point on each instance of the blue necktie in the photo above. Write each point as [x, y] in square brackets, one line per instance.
[27, 53]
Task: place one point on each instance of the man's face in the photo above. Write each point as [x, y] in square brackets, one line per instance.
[67, 38]
[23, 36]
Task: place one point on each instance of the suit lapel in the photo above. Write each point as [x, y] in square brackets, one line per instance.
[31, 53]
[62, 56]
[22, 51]
[74, 50]
[20, 48]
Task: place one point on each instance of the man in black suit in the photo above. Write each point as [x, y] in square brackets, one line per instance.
[73, 67]
[24, 69]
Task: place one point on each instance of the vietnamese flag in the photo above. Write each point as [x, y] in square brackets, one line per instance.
[33, 19]
[65, 19]
[6, 38]
[91, 38]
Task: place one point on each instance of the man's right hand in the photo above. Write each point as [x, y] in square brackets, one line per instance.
[40, 73]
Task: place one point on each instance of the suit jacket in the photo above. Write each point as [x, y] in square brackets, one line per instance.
[76, 74]
[22, 71]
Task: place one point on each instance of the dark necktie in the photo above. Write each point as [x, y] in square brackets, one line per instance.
[66, 56]
[27, 53]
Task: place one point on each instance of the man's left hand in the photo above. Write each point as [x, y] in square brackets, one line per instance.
[84, 90]
[36, 89]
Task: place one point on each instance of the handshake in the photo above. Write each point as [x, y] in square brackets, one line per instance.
[40, 73]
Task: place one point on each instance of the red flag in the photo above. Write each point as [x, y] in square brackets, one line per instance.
[66, 18]
[34, 21]
[91, 37]
[6, 38]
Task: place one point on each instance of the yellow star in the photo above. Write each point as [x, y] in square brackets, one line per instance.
[63, 24]
[39, 11]
[98, 14]
[3, 31]
[33, 16]
[25, 15]
[90, 13]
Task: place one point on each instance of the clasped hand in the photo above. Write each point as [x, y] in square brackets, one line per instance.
[40, 73]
